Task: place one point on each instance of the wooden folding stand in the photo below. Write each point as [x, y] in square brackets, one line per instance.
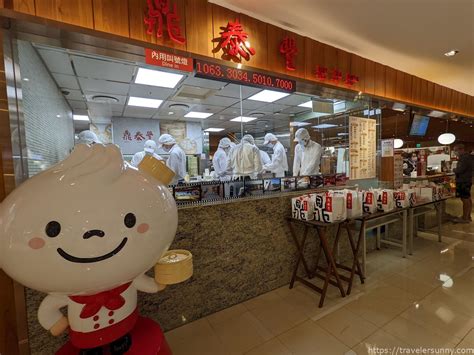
[331, 270]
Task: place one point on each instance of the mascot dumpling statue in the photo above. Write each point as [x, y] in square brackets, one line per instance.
[85, 232]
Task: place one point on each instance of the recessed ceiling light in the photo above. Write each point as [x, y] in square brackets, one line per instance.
[58, 116]
[268, 96]
[343, 134]
[144, 102]
[195, 114]
[80, 118]
[308, 104]
[157, 78]
[451, 53]
[299, 124]
[214, 129]
[171, 113]
[324, 125]
[26, 79]
[243, 119]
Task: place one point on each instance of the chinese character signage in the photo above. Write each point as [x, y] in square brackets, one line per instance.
[130, 134]
[335, 75]
[161, 15]
[289, 50]
[168, 60]
[234, 43]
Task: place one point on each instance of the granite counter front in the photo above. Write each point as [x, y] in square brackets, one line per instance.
[240, 250]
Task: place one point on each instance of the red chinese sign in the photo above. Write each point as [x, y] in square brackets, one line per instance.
[168, 60]
[160, 12]
[289, 50]
[335, 75]
[234, 43]
[138, 136]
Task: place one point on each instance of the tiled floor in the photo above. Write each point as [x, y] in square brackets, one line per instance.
[425, 300]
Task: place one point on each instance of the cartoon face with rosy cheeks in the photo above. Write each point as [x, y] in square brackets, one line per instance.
[89, 223]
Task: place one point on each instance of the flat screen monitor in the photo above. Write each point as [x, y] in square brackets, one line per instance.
[419, 125]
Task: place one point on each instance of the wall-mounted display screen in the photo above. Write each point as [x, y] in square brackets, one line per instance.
[419, 125]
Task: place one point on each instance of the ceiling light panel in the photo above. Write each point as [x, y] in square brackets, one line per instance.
[80, 118]
[157, 78]
[144, 102]
[211, 129]
[324, 125]
[243, 119]
[268, 96]
[195, 114]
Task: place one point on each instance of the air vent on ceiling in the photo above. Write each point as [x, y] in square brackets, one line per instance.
[193, 93]
[104, 99]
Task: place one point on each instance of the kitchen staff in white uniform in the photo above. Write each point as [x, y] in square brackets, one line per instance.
[307, 154]
[177, 159]
[244, 159]
[219, 160]
[148, 149]
[279, 163]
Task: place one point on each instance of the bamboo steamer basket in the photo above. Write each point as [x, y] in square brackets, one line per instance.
[157, 169]
[175, 266]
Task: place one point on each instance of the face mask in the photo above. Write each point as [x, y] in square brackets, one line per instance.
[166, 149]
[271, 145]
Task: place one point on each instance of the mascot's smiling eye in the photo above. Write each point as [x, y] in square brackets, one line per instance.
[130, 220]
[53, 229]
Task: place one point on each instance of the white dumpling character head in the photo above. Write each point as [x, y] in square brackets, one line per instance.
[89, 223]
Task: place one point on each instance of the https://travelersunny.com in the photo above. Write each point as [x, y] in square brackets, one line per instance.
[395, 350]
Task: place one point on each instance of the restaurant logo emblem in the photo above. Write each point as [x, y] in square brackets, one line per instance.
[161, 13]
[233, 42]
[289, 50]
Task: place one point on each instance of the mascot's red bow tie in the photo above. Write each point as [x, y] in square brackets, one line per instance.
[110, 299]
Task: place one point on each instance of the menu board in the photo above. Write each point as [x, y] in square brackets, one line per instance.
[362, 148]
[398, 171]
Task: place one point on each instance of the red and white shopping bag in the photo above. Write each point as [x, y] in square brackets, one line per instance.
[385, 200]
[330, 206]
[401, 199]
[369, 203]
[302, 207]
[354, 201]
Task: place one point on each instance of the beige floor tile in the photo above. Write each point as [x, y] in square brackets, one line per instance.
[309, 338]
[416, 287]
[195, 338]
[240, 333]
[347, 326]
[278, 314]
[381, 304]
[227, 313]
[379, 339]
[417, 335]
[271, 347]
[439, 318]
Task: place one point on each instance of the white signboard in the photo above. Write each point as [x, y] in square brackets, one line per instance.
[362, 148]
[387, 148]
[130, 134]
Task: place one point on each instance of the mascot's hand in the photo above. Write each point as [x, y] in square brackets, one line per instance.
[59, 327]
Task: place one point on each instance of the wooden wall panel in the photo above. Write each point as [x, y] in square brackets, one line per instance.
[136, 11]
[199, 27]
[407, 87]
[444, 97]
[343, 64]
[390, 82]
[25, 6]
[438, 96]
[369, 81]
[111, 16]
[449, 98]
[78, 13]
[314, 56]
[416, 90]
[220, 17]
[429, 98]
[257, 31]
[329, 57]
[358, 68]
[379, 80]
